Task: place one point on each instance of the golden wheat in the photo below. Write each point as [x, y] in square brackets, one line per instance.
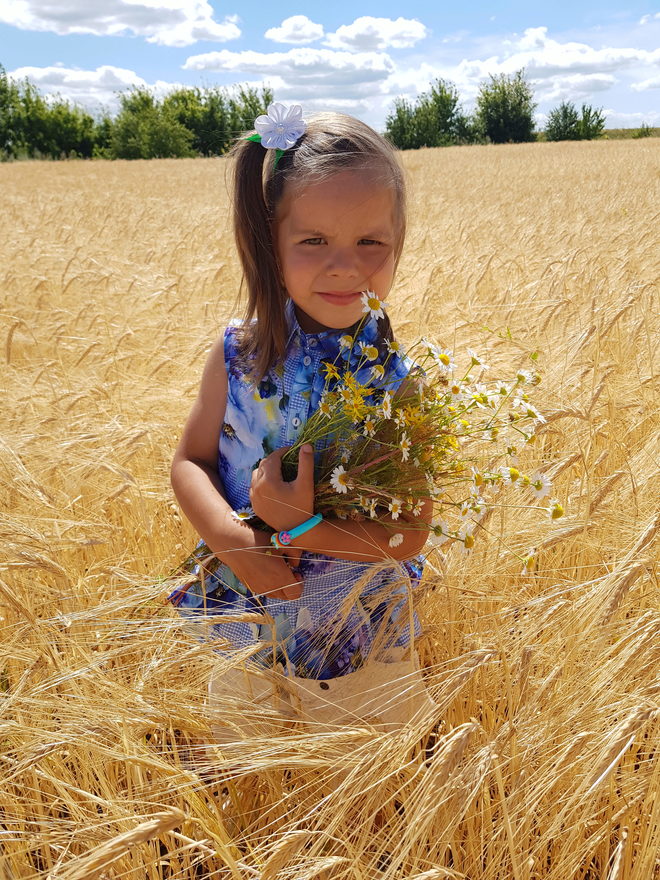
[542, 761]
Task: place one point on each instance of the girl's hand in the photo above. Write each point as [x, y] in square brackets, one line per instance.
[264, 570]
[283, 505]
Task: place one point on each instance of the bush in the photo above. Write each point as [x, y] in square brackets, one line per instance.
[505, 109]
[644, 131]
[566, 124]
[563, 123]
[435, 120]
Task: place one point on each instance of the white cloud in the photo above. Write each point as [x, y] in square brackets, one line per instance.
[541, 56]
[369, 34]
[303, 68]
[632, 120]
[295, 29]
[166, 22]
[652, 83]
[92, 89]
[645, 19]
[574, 87]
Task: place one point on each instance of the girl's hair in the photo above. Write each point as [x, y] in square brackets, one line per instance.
[332, 143]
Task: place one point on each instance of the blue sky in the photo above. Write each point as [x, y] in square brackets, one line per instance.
[351, 56]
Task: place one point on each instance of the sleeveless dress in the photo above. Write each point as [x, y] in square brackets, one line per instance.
[315, 636]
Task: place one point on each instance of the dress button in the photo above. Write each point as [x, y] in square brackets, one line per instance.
[313, 343]
[307, 360]
[295, 421]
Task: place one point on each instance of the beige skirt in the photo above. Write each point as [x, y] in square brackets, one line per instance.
[386, 694]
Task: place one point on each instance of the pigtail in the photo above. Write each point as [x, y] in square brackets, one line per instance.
[258, 255]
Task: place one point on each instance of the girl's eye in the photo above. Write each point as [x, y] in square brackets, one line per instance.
[369, 241]
[318, 240]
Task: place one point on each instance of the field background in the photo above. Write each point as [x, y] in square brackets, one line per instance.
[544, 758]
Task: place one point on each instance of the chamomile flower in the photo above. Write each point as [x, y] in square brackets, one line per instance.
[339, 479]
[394, 507]
[466, 537]
[405, 446]
[523, 377]
[345, 456]
[556, 509]
[243, 513]
[440, 533]
[369, 427]
[346, 341]
[324, 407]
[477, 360]
[509, 475]
[377, 372]
[393, 347]
[417, 508]
[372, 304]
[396, 540]
[529, 561]
[371, 508]
[370, 352]
[540, 485]
[443, 357]
[386, 405]
[457, 393]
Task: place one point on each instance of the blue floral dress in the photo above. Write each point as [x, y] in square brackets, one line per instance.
[315, 636]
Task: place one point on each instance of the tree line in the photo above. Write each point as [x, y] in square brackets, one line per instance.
[205, 121]
[504, 113]
[185, 122]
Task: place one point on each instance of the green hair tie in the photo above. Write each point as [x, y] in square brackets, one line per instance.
[257, 139]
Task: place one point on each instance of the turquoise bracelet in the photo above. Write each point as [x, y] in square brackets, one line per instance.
[283, 539]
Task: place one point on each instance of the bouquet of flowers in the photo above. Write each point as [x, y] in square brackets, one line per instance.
[434, 429]
[444, 433]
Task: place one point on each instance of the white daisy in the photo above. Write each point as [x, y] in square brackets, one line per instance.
[243, 513]
[509, 475]
[394, 507]
[443, 357]
[387, 405]
[393, 347]
[477, 360]
[523, 377]
[377, 372]
[556, 509]
[370, 352]
[396, 540]
[369, 427]
[371, 508]
[345, 456]
[417, 509]
[466, 538]
[405, 446]
[372, 304]
[540, 485]
[346, 341]
[339, 479]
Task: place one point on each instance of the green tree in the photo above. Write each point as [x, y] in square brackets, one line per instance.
[592, 122]
[11, 139]
[435, 120]
[505, 109]
[644, 131]
[145, 130]
[563, 123]
[400, 125]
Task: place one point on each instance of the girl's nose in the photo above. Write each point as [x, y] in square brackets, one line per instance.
[342, 262]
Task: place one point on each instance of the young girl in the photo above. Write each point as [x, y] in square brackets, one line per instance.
[319, 218]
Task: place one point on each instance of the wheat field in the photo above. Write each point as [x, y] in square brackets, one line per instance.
[542, 761]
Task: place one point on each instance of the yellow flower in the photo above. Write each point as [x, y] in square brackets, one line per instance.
[331, 371]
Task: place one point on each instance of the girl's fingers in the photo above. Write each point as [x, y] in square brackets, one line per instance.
[306, 464]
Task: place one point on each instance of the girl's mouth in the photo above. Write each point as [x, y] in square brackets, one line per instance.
[338, 298]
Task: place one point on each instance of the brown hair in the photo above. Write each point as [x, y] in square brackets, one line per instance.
[332, 143]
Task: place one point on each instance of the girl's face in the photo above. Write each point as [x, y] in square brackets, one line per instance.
[336, 239]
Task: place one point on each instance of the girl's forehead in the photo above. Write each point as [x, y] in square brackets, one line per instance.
[347, 193]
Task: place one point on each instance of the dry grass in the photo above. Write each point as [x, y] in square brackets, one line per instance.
[543, 762]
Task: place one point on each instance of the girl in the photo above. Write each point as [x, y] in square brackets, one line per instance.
[319, 218]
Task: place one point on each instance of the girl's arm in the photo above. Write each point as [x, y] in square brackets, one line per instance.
[285, 505]
[199, 491]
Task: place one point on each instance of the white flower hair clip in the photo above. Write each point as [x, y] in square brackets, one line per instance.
[279, 129]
